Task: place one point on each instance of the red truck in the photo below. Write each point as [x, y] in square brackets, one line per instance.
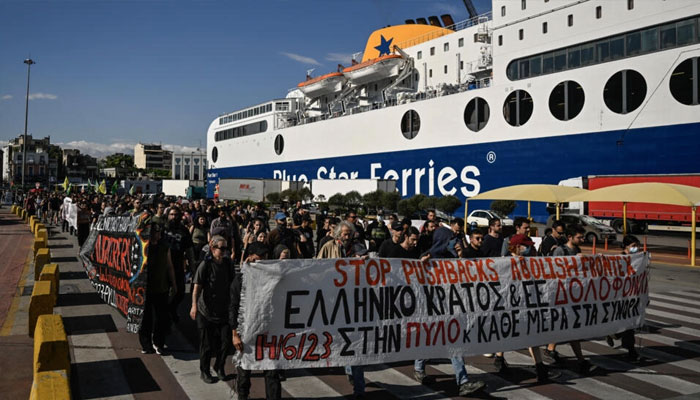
[641, 217]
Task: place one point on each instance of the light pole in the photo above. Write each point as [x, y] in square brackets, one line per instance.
[29, 63]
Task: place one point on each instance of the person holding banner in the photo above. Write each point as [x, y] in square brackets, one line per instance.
[210, 302]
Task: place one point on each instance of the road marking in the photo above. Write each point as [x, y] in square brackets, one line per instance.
[670, 341]
[675, 307]
[400, 385]
[497, 386]
[673, 316]
[14, 307]
[680, 329]
[308, 386]
[676, 299]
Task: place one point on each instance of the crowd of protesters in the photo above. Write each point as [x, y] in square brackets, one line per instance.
[205, 242]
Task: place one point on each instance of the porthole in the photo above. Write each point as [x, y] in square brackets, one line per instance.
[279, 144]
[566, 100]
[410, 124]
[214, 154]
[476, 114]
[685, 82]
[518, 107]
[625, 91]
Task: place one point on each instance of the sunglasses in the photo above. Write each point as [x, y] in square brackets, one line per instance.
[220, 247]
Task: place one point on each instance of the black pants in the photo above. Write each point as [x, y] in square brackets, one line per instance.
[627, 339]
[83, 232]
[155, 320]
[214, 340]
[177, 299]
[273, 386]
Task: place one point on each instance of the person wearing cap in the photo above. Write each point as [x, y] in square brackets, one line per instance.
[306, 237]
[283, 235]
[522, 227]
[389, 247]
[210, 301]
[273, 385]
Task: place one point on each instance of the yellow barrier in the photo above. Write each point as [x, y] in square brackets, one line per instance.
[38, 225]
[40, 303]
[50, 345]
[24, 215]
[50, 273]
[39, 244]
[42, 257]
[13, 209]
[42, 233]
[50, 385]
[32, 222]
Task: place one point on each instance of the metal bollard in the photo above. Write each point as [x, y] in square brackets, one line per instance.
[606, 244]
[645, 243]
[594, 240]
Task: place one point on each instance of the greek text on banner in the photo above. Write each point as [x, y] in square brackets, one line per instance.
[337, 312]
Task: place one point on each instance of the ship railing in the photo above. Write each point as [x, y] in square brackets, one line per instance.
[479, 19]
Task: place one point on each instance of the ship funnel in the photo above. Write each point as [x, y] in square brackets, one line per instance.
[421, 21]
[434, 21]
[410, 22]
[447, 20]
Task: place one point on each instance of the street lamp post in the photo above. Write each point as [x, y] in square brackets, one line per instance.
[29, 63]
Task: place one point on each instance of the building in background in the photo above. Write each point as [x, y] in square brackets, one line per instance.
[42, 162]
[79, 167]
[152, 156]
[190, 166]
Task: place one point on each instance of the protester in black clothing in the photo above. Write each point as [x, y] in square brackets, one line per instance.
[556, 238]
[283, 235]
[351, 217]
[473, 250]
[322, 230]
[426, 237]
[182, 252]
[210, 300]
[378, 233]
[389, 246]
[273, 386]
[408, 246]
[493, 242]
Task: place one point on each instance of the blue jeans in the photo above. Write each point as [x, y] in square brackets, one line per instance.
[357, 373]
[457, 365]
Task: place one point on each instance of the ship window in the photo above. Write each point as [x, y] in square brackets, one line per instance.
[419, 55]
[518, 107]
[685, 32]
[574, 55]
[461, 65]
[685, 82]
[625, 91]
[630, 4]
[548, 63]
[617, 47]
[445, 68]
[279, 144]
[559, 60]
[650, 40]
[512, 70]
[214, 154]
[500, 40]
[476, 114]
[446, 47]
[535, 66]
[599, 12]
[410, 124]
[432, 51]
[460, 42]
[668, 36]
[570, 19]
[544, 27]
[566, 100]
[523, 4]
[521, 34]
[503, 11]
[603, 51]
[430, 73]
[633, 43]
[524, 69]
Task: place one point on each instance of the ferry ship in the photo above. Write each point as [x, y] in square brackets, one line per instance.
[535, 91]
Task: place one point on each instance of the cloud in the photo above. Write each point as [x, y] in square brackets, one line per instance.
[6, 97]
[300, 58]
[339, 57]
[42, 96]
[101, 150]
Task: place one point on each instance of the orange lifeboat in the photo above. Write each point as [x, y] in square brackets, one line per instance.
[323, 85]
[374, 69]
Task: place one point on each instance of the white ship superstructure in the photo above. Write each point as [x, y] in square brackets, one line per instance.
[536, 92]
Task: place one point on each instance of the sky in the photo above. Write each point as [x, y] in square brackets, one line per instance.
[109, 74]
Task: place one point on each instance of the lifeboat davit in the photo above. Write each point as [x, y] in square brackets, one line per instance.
[374, 70]
[323, 85]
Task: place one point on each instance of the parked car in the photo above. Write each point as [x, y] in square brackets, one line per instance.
[482, 217]
[594, 227]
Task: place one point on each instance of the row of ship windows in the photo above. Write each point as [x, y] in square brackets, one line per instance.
[624, 92]
[445, 48]
[239, 131]
[265, 108]
[598, 10]
[630, 44]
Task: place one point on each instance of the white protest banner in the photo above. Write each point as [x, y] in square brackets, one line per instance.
[336, 312]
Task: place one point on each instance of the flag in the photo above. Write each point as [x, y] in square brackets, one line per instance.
[115, 187]
[131, 191]
[89, 186]
[103, 187]
[69, 188]
[66, 184]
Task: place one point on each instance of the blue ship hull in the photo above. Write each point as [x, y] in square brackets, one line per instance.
[671, 149]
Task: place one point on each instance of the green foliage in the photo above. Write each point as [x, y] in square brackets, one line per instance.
[305, 194]
[503, 207]
[373, 199]
[428, 203]
[406, 207]
[448, 204]
[118, 160]
[353, 198]
[160, 173]
[337, 200]
[390, 200]
[273, 198]
[291, 195]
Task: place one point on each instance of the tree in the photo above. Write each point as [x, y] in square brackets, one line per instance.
[120, 160]
[353, 198]
[274, 198]
[503, 207]
[291, 195]
[448, 204]
[416, 201]
[305, 194]
[428, 203]
[337, 200]
[373, 199]
[390, 200]
[321, 198]
[406, 207]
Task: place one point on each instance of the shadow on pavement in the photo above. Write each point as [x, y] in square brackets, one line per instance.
[139, 380]
[78, 299]
[89, 324]
[68, 275]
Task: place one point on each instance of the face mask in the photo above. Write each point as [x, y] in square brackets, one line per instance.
[634, 249]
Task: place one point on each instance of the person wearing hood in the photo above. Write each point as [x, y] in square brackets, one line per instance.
[182, 252]
[283, 235]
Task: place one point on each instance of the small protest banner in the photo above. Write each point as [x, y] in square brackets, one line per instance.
[115, 257]
[339, 312]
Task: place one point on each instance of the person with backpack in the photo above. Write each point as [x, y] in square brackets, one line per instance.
[555, 239]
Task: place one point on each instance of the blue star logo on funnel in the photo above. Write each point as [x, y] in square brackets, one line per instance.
[385, 47]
